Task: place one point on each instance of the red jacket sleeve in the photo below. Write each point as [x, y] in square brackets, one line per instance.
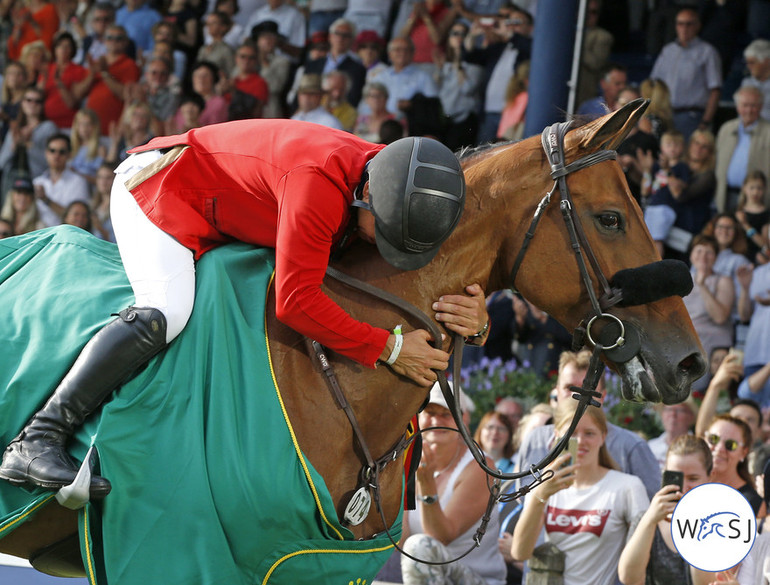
[312, 210]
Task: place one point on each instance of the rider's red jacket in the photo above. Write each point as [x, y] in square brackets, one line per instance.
[278, 183]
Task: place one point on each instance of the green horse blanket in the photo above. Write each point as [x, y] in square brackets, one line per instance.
[209, 485]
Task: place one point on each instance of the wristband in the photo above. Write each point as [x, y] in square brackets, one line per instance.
[751, 232]
[396, 346]
[480, 335]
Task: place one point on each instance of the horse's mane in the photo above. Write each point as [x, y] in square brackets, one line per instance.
[468, 152]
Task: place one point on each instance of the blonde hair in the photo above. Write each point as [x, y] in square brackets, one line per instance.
[565, 411]
[5, 92]
[28, 222]
[518, 82]
[707, 136]
[659, 95]
[92, 141]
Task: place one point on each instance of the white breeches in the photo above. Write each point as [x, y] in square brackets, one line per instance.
[160, 269]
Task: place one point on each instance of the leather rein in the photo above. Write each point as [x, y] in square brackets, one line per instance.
[553, 144]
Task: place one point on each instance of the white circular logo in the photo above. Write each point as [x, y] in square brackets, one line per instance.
[713, 527]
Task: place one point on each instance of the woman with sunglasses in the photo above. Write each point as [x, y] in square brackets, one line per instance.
[730, 441]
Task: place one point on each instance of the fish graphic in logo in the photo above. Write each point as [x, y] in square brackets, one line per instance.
[714, 523]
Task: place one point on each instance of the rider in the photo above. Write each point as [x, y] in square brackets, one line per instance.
[293, 186]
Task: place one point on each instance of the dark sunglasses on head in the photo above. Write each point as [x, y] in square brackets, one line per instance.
[730, 444]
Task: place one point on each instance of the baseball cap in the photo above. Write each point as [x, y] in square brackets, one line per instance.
[437, 397]
[22, 184]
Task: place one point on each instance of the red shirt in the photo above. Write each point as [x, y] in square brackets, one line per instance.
[283, 184]
[101, 99]
[253, 84]
[56, 108]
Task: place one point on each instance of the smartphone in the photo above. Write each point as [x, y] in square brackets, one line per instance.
[736, 352]
[672, 478]
[487, 21]
[572, 446]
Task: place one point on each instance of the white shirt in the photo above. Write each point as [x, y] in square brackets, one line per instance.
[405, 84]
[291, 23]
[70, 187]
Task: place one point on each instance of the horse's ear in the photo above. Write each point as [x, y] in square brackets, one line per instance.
[609, 131]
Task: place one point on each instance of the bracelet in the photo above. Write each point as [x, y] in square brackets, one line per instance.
[396, 346]
[482, 332]
[539, 499]
[751, 232]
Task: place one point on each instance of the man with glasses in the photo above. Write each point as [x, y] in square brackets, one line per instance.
[249, 92]
[101, 15]
[342, 58]
[692, 69]
[58, 186]
[157, 90]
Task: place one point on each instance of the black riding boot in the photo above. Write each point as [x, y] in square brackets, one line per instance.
[38, 454]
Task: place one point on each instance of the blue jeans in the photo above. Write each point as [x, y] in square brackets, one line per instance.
[320, 21]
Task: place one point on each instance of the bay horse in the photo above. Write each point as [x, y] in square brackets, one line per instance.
[505, 184]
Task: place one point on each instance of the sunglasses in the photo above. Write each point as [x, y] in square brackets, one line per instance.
[115, 38]
[457, 33]
[730, 444]
[58, 151]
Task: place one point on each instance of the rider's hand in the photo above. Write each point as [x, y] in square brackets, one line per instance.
[417, 358]
[463, 314]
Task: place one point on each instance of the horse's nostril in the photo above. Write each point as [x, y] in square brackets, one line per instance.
[693, 365]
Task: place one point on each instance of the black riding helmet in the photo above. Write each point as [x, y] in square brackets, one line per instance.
[417, 194]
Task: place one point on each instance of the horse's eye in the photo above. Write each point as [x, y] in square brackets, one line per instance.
[610, 221]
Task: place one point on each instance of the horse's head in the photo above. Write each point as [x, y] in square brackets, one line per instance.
[662, 354]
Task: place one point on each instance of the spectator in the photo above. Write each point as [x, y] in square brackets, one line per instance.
[678, 420]
[185, 20]
[589, 487]
[19, 210]
[12, 91]
[309, 95]
[650, 551]
[452, 493]
[731, 440]
[88, 152]
[711, 301]
[505, 45]
[248, 90]
[35, 57]
[100, 16]
[725, 374]
[516, 99]
[639, 143]
[161, 94]
[614, 79]
[495, 436]
[693, 72]
[65, 83]
[336, 86]
[512, 409]
[753, 215]
[459, 89]
[69, 20]
[273, 67]
[659, 114]
[756, 384]
[427, 27]
[742, 147]
[78, 214]
[100, 201]
[369, 47]
[235, 32]
[166, 44]
[323, 13]
[291, 26]
[137, 18]
[628, 449]
[404, 79]
[216, 50]
[188, 115]
[33, 20]
[133, 129]
[204, 78]
[340, 57]
[597, 44]
[757, 56]
[24, 145]
[472, 10]
[390, 131]
[541, 338]
[109, 77]
[58, 186]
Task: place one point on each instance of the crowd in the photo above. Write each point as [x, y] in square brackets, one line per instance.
[83, 81]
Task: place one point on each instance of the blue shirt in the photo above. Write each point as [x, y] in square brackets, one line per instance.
[736, 171]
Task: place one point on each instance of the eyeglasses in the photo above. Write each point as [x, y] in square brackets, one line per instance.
[491, 428]
[345, 35]
[730, 444]
[724, 226]
[115, 38]
[58, 151]
[686, 22]
[457, 33]
[33, 100]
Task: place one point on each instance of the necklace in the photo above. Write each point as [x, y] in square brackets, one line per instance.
[451, 463]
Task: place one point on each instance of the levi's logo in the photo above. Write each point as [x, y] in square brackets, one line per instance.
[574, 521]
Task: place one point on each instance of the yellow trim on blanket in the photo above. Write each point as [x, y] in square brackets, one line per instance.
[302, 460]
[27, 513]
[87, 544]
[319, 551]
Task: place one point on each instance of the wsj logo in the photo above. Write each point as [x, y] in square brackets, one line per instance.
[721, 524]
[713, 527]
